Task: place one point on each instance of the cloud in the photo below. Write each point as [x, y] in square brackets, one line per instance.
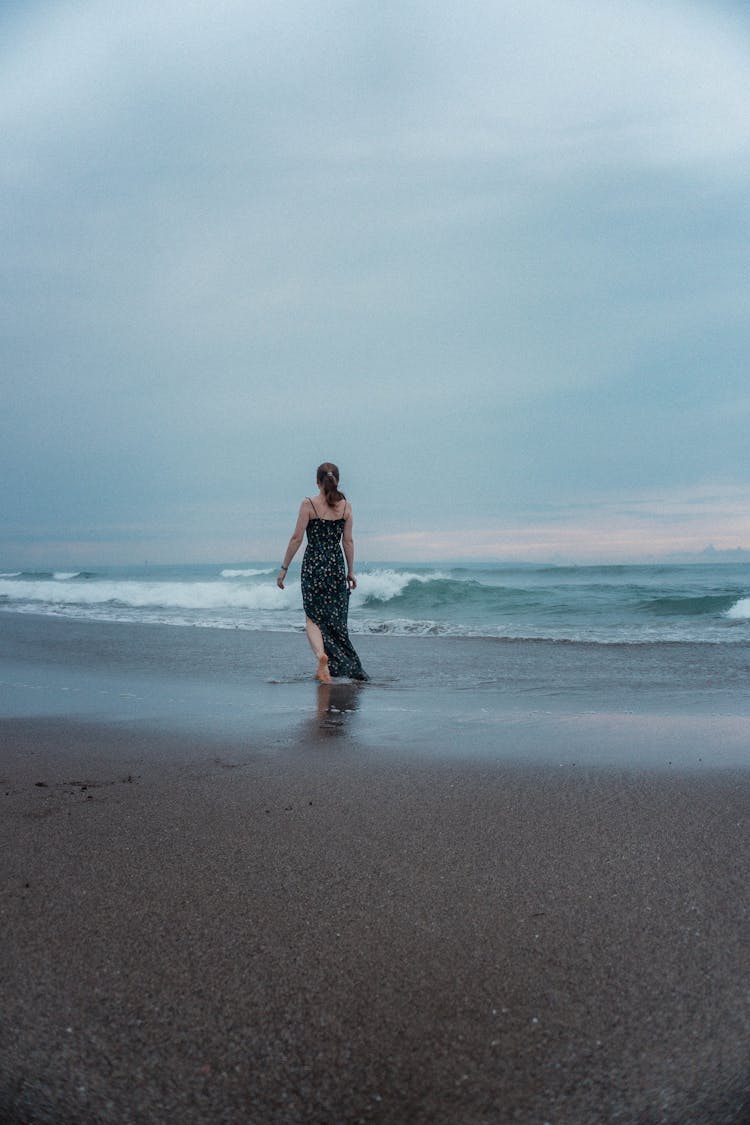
[496, 249]
[608, 529]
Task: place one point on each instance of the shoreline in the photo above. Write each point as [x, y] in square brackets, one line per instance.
[430, 697]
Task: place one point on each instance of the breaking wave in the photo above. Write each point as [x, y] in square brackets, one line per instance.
[143, 594]
[385, 585]
[608, 605]
[251, 573]
[740, 611]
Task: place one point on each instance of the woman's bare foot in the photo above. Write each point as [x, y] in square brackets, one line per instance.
[322, 673]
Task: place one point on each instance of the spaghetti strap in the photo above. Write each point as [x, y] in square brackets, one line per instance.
[313, 507]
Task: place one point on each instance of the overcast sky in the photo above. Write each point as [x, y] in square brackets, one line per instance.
[490, 257]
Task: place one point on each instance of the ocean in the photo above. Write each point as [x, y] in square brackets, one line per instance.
[703, 604]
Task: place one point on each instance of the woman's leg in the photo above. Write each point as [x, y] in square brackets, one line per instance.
[315, 637]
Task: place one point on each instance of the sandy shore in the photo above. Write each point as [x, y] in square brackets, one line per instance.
[240, 932]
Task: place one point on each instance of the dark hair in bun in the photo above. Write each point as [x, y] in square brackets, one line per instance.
[328, 480]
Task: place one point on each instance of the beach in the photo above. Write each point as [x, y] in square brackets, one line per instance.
[420, 332]
[231, 895]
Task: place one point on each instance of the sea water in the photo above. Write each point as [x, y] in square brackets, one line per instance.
[650, 604]
[620, 664]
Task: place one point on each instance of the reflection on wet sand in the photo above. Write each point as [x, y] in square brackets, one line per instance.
[335, 705]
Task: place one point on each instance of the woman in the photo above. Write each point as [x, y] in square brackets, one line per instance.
[325, 585]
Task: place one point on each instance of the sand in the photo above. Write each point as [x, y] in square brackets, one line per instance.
[235, 931]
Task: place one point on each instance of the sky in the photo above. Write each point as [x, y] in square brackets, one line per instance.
[491, 258]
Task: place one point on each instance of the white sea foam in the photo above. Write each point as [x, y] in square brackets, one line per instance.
[245, 573]
[384, 585]
[65, 575]
[740, 611]
[406, 627]
[142, 595]
[377, 585]
[12, 574]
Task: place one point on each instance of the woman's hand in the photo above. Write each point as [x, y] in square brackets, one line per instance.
[281, 577]
[351, 582]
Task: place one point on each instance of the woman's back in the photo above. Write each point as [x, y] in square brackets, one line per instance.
[323, 511]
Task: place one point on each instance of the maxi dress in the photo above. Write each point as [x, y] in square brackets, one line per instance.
[325, 594]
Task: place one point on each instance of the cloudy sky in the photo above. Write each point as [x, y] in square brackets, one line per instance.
[490, 256]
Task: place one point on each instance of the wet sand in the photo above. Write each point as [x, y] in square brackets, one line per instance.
[280, 929]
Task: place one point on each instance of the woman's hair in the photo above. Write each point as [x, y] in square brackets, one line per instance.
[328, 480]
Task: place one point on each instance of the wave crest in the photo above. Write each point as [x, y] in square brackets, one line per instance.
[249, 573]
[740, 611]
[384, 585]
[149, 595]
[681, 605]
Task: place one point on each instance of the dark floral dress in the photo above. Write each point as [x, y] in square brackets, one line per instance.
[325, 594]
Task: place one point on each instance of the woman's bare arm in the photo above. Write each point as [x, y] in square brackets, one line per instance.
[348, 542]
[293, 546]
